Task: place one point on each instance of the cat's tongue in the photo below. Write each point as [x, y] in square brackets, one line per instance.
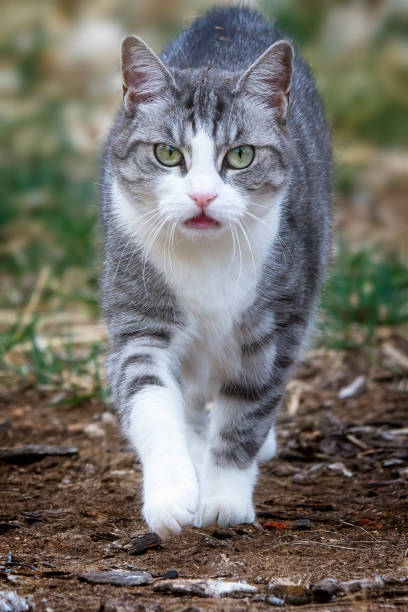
[201, 221]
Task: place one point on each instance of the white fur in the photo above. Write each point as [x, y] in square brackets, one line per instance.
[225, 495]
[214, 281]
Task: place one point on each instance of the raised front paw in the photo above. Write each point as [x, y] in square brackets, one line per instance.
[171, 507]
[224, 511]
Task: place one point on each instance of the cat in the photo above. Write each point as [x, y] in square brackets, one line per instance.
[216, 214]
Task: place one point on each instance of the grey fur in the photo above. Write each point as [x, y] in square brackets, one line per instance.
[139, 307]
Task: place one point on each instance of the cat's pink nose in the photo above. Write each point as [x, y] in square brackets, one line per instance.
[202, 199]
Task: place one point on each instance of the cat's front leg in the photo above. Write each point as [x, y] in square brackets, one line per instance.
[170, 486]
[239, 427]
[154, 423]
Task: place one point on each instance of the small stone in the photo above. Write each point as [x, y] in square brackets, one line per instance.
[302, 524]
[170, 575]
[108, 417]
[17, 413]
[258, 580]
[118, 578]
[274, 601]
[93, 430]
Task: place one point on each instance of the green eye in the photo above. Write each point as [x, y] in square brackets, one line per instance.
[168, 155]
[240, 157]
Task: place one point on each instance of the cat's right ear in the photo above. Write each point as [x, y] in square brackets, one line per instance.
[145, 77]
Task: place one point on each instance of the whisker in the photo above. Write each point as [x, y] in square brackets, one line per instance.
[249, 247]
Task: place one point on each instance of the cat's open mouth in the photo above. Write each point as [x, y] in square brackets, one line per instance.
[201, 221]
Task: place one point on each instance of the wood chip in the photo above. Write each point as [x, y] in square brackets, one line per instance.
[396, 355]
[142, 543]
[205, 588]
[355, 388]
[34, 452]
[118, 578]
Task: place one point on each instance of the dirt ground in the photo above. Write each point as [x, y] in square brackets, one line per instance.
[332, 505]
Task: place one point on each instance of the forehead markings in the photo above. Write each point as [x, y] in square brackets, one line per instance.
[202, 150]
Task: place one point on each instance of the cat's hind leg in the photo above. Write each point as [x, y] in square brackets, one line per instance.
[197, 422]
[269, 447]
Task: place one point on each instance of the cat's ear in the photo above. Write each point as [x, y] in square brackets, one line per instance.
[145, 77]
[270, 76]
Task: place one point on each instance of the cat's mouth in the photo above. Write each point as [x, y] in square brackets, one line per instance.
[201, 221]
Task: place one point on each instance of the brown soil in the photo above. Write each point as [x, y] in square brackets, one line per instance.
[355, 524]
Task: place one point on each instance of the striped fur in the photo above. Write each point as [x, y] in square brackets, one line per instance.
[219, 317]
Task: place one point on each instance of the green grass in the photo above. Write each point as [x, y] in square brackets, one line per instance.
[365, 290]
[56, 369]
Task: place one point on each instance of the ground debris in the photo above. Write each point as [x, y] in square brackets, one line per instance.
[45, 515]
[292, 594]
[11, 602]
[329, 588]
[33, 452]
[142, 543]
[205, 588]
[302, 524]
[118, 578]
[325, 590]
[357, 386]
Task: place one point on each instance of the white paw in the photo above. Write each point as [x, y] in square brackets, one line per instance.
[171, 507]
[224, 511]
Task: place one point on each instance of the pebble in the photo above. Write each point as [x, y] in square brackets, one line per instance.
[170, 575]
[275, 601]
[302, 524]
[108, 417]
[340, 467]
[93, 430]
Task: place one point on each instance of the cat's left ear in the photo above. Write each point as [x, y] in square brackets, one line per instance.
[270, 76]
[145, 77]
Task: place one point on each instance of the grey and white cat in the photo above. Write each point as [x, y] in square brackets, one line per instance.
[216, 215]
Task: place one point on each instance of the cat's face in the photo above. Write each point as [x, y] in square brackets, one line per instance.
[201, 153]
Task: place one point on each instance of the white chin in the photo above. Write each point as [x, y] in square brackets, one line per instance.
[193, 233]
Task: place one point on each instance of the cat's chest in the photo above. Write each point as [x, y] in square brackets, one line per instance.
[214, 303]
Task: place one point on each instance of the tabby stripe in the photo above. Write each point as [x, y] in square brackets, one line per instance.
[132, 360]
[151, 334]
[249, 393]
[139, 382]
[137, 358]
[248, 349]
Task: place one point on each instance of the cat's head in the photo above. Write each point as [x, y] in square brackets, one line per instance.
[201, 151]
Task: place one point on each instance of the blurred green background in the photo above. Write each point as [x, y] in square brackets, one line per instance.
[60, 85]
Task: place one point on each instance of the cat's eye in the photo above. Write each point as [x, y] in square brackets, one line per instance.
[240, 157]
[168, 155]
